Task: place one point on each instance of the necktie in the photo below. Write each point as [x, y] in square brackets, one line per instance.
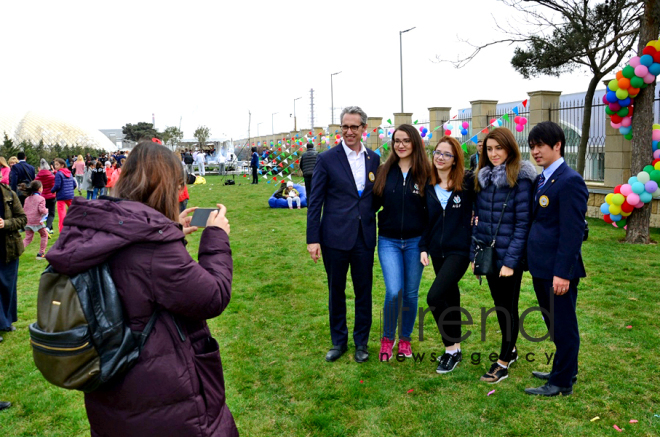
[541, 183]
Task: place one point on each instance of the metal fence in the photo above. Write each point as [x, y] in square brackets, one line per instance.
[570, 116]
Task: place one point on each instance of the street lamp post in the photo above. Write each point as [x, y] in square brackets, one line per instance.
[332, 97]
[258, 128]
[272, 124]
[401, 32]
[295, 125]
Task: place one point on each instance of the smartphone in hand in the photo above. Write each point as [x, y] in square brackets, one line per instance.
[201, 216]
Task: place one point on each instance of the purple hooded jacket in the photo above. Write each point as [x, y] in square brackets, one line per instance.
[176, 387]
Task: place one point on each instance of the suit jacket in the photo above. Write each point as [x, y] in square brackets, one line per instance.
[555, 238]
[21, 171]
[344, 210]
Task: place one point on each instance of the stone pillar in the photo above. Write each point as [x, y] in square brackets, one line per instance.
[319, 132]
[402, 117]
[618, 154]
[539, 105]
[437, 116]
[481, 111]
[373, 140]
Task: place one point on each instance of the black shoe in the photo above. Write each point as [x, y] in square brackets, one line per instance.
[361, 354]
[549, 390]
[514, 357]
[496, 374]
[336, 352]
[546, 376]
[448, 362]
[10, 329]
[4, 405]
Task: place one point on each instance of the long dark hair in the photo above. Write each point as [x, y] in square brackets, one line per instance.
[513, 162]
[31, 188]
[420, 167]
[152, 175]
[457, 172]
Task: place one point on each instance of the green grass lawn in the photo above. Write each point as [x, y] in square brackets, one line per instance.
[274, 335]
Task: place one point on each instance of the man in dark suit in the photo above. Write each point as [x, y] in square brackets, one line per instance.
[474, 159]
[21, 173]
[554, 253]
[342, 185]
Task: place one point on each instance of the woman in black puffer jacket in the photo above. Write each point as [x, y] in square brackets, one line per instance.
[501, 174]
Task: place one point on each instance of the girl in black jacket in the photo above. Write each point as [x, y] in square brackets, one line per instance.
[99, 180]
[447, 240]
[504, 183]
[399, 189]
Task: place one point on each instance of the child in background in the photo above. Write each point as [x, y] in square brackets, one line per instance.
[291, 195]
[37, 213]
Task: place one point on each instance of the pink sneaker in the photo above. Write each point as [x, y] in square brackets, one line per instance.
[405, 349]
[386, 346]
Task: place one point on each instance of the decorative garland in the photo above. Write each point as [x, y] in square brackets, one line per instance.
[620, 99]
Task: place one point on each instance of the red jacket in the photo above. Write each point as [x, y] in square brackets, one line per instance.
[176, 388]
[47, 179]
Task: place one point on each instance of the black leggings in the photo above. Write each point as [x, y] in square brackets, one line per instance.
[505, 291]
[444, 293]
[255, 178]
[50, 204]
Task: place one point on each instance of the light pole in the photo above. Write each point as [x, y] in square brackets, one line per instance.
[401, 32]
[295, 125]
[258, 128]
[272, 124]
[332, 97]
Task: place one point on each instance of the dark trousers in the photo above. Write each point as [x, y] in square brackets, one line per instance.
[308, 188]
[505, 291]
[361, 260]
[50, 204]
[8, 295]
[444, 294]
[255, 177]
[566, 335]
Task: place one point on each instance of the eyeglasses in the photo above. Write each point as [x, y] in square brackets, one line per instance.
[405, 141]
[439, 154]
[354, 128]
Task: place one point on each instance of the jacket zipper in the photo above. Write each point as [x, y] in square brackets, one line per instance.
[403, 202]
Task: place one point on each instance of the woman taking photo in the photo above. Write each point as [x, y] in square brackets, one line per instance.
[503, 185]
[176, 388]
[399, 189]
[447, 241]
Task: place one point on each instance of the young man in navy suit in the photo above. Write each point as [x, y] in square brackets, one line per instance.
[345, 233]
[554, 253]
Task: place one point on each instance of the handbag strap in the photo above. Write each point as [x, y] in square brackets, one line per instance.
[501, 215]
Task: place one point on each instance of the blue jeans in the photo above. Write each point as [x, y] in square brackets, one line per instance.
[402, 271]
[97, 192]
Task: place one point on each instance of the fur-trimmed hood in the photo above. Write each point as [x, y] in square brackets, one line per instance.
[497, 175]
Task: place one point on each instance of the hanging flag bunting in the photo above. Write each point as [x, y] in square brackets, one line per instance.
[515, 110]
[475, 139]
[524, 102]
[436, 128]
[389, 121]
[415, 122]
[385, 146]
[485, 130]
[464, 147]
[505, 117]
[289, 177]
[377, 152]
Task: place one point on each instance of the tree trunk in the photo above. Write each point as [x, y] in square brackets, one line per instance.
[642, 153]
[586, 122]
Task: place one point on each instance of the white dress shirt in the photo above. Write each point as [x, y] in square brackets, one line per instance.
[356, 161]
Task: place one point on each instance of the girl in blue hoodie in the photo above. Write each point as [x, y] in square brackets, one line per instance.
[64, 187]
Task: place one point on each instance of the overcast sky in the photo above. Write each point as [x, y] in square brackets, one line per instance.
[210, 62]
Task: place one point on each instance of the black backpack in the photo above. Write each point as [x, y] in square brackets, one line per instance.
[187, 158]
[191, 179]
[81, 339]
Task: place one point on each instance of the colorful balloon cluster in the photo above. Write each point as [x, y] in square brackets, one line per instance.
[423, 131]
[448, 128]
[520, 122]
[621, 92]
[464, 128]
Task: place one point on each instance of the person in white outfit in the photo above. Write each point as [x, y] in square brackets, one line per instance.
[200, 159]
[291, 195]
